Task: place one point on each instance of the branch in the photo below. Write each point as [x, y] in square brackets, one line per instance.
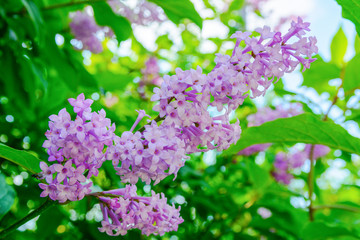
[68, 4]
[61, 5]
[311, 180]
[311, 183]
[47, 204]
[338, 206]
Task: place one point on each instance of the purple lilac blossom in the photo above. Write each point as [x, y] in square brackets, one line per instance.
[319, 151]
[265, 115]
[143, 13]
[184, 97]
[151, 72]
[152, 154]
[75, 146]
[284, 163]
[152, 215]
[281, 174]
[84, 28]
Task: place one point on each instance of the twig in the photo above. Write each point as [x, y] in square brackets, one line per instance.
[338, 206]
[311, 183]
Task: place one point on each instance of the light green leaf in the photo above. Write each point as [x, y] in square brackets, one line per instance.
[352, 75]
[319, 75]
[7, 196]
[113, 81]
[321, 230]
[357, 44]
[176, 10]
[104, 16]
[304, 128]
[338, 47]
[258, 176]
[351, 11]
[21, 158]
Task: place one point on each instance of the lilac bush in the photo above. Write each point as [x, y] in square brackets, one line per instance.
[184, 125]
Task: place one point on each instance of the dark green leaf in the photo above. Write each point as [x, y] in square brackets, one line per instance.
[338, 47]
[304, 128]
[104, 16]
[7, 196]
[351, 11]
[21, 158]
[320, 230]
[34, 14]
[352, 75]
[177, 10]
[319, 75]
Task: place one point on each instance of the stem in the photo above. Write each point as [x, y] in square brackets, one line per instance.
[47, 204]
[311, 183]
[61, 5]
[311, 180]
[338, 206]
[68, 4]
[157, 119]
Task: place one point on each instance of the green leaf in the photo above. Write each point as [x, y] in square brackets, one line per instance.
[338, 47]
[319, 75]
[176, 10]
[7, 196]
[351, 11]
[352, 75]
[258, 176]
[104, 16]
[21, 158]
[357, 44]
[34, 14]
[321, 230]
[113, 81]
[304, 128]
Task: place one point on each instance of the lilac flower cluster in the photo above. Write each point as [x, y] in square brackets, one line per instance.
[150, 76]
[185, 97]
[143, 13]
[84, 28]
[76, 147]
[151, 72]
[284, 163]
[266, 115]
[152, 154]
[128, 211]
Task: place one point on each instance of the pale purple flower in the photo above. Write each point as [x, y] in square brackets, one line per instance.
[77, 146]
[84, 28]
[318, 152]
[143, 13]
[151, 215]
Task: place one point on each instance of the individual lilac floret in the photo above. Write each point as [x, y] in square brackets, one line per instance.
[319, 151]
[84, 28]
[152, 215]
[265, 115]
[75, 146]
